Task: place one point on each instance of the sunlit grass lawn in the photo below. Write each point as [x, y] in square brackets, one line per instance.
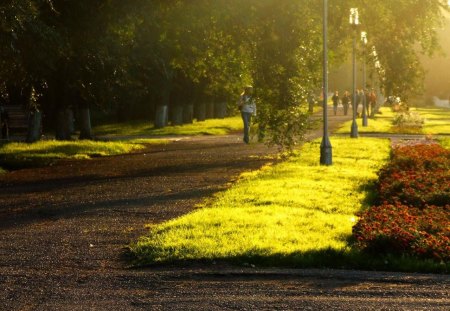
[293, 212]
[142, 128]
[17, 154]
[437, 121]
[445, 142]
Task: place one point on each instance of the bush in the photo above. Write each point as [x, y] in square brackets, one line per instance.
[413, 218]
[408, 118]
[403, 230]
[417, 175]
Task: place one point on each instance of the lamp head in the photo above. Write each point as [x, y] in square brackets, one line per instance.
[364, 37]
[354, 17]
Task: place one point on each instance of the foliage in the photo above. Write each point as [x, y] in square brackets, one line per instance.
[400, 31]
[294, 211]
[413, 215]
[128, 57]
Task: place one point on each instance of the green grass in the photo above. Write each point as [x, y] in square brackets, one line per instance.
[445, 142]
[297, 212]
[437, 121]
[17, 154]
[141, 128]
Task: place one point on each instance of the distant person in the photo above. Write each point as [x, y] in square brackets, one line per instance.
[359, 98]
[346, 100]
[311, 102]
[4, 119]
[335, 100]
[247, 106]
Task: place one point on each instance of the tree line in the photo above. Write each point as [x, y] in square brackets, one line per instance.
[125, 59]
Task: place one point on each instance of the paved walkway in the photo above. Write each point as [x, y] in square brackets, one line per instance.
[64, 229]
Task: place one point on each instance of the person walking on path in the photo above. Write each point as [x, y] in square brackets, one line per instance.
[247, 106]
[335, 100]
[372, 103]
[359, 98]
[346, 102]
[311, 102]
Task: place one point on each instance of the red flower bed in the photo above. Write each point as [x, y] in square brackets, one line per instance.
[414, 216]
[417, 175]
[400, 229]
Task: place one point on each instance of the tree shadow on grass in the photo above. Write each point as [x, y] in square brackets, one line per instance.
[316, 259]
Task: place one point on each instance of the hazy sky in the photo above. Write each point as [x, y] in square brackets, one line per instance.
[438, 68]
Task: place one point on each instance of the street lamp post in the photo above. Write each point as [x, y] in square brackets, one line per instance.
[326, 157]
[364, 113]
[354, 22]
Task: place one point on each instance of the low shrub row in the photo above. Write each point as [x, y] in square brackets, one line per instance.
[412, 216]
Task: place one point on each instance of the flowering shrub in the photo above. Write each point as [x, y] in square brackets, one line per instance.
[417, 175]
[400, 229]
[408, 119]
[414, 216]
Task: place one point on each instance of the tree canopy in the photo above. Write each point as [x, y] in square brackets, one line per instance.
[127, 58]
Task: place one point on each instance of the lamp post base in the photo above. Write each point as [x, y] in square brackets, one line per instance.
[364, 121]
[326, 152]
[354, 130]
[364, 115]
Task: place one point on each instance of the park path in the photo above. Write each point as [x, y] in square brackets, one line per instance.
[64, 229]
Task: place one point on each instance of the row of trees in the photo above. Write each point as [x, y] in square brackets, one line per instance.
[129, 57]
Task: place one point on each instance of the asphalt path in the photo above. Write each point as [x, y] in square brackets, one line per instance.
[64, 231]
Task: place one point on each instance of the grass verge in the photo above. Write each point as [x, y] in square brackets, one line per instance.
[18, 155]
[295, 213]
[445, 142]
[436, 121]
[141, 128]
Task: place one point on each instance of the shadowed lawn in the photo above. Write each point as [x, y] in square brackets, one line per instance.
[284, 211]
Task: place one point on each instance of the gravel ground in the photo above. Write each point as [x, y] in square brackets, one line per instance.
[64, 229]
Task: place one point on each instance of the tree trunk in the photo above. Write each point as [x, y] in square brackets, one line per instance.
[177, 115]
[201, 111]
[188, 114]
[210, 109]
[64, 124]
[85, 123]
[34, 126]
[161, 114]
[220, 109]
